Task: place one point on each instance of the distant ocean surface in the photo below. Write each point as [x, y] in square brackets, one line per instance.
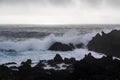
[21, 42]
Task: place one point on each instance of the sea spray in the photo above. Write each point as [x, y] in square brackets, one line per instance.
[44, 44]
[36, 49]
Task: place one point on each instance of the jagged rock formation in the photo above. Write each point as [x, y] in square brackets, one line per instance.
[89, 68]
[108, 44]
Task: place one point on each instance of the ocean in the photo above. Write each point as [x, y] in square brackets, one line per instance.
[21, 42]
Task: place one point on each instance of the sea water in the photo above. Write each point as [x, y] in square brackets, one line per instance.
[18, 44]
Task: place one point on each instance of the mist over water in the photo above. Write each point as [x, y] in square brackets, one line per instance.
[17, 50]
[60, 11]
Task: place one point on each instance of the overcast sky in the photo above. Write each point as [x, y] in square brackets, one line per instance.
[59, 11]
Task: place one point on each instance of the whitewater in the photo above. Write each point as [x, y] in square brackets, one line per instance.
[18, 49]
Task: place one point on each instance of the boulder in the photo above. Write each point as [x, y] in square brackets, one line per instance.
[25, 68]
[57, 46]
[108, 44]
[58, 58]
[79, 45]
[69, 61]
[28, 62]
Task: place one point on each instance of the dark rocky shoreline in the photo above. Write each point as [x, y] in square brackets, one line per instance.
[89, 68]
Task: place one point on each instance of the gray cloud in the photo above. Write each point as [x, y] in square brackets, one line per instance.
[60, 1]
[114, 3]
[77, 11]
[56, 2]
[97, 3]
[91, 3]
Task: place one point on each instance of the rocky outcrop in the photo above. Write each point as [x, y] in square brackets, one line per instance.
[61, 47]
[89, 68]
[58, 58]
[108, 44]
[58, 46]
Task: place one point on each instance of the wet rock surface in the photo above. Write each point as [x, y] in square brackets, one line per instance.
[107, 43]
[58, 46]
[89, 68]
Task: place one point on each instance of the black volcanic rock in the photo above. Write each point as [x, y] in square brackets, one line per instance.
[79, 45]
[108, 44]
[69, 61]
[58, 58]
[25, 66]
[57, 46]
[10, 63]
[89, 68]
[28, 62]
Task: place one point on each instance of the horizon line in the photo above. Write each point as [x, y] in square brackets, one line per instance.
[59, 24]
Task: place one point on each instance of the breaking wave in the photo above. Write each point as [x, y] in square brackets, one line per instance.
[43, 44]
[37, 49]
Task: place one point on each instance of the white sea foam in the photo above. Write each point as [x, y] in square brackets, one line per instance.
[36, 49]
[44, 44]
[60, 66]
[44, 55]
[72, 36]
